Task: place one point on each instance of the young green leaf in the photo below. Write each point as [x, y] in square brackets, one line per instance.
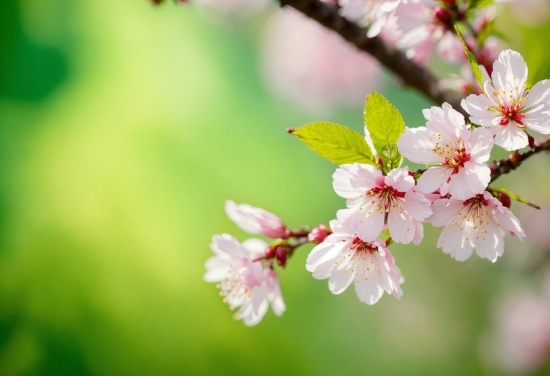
[385, 125]
[335, 142]
[390, 157]
[471, 59]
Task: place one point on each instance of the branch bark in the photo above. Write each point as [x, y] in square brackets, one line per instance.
[504, 166]
[410, 73]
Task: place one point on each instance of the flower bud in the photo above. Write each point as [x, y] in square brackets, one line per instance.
[531, 141]
[255, 220]
[515, 157]
[318, 234]
[281, 255]
[442, 14]
[504, 199]
[269, 252]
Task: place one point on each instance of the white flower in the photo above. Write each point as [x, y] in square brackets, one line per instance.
[375, 13]
[507, 107]
[374, 198]
[461, 154]
[255, 220]
[424, 26]
[344, 257]
[479, 222]
[243, 282]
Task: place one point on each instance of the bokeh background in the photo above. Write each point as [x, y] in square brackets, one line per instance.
[123, 129]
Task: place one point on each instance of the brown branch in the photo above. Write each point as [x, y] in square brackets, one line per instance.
[504, 166]
[410, 73]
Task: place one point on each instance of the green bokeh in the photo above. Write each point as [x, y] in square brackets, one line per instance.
[123, 129]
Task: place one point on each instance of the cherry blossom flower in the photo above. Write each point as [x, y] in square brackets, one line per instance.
[507, 107]
[373, 199]
[424, 26]
[255, 220]
[243, 282]
[314, 68]
[479, 222]
[375, 13]
[461, 154]
[344, 257]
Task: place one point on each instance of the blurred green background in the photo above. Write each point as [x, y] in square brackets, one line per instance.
[123, 129]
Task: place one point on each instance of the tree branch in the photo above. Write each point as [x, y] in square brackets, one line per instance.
[411, 73]
[504, 166]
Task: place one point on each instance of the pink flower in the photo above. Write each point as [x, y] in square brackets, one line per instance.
[344, 257]
[243, 282]
[460, 154]
[255, 220]
[507, 107]
[313, 67]
[373, 198]
[479, 222]
[425, 26]
[374, 13]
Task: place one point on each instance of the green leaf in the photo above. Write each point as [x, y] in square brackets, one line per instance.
[514, 196]
[471, 59]
[335, 142]
[390, 157]
[385, 125]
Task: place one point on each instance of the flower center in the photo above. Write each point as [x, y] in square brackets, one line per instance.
[458, 159]
[386, 196]
[454, 156]
[476, 202]
[474, 216]
[233, 290]
[512, 113]
[359, 245]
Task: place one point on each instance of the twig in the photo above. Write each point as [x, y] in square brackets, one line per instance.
[504, 166]
[410, 73]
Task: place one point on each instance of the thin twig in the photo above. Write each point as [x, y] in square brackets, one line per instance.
[504, 166]
[410, 73]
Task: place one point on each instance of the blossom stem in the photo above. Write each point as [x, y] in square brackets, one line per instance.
[410, 73]
[292, 247]
[504, 166]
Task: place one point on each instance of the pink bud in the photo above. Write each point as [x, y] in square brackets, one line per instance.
[281, 255]
[531, 141]
[318, 234]
[504, 199]
[255, 220]
[269, 252]
[442, 15]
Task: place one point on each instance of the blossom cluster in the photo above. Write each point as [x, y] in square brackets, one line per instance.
[244, 271]
[384, 207]
[452, 192]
